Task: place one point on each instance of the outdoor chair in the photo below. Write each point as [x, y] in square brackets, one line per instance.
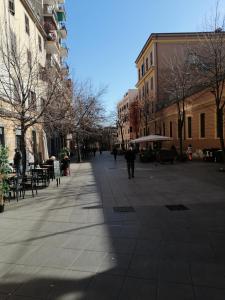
[16, 187]
[30, 183]
[41, 176]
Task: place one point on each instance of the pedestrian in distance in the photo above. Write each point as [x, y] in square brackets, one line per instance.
[189, 152]
[130, 156]
[65, 166]
[115, 152]
[17, 162]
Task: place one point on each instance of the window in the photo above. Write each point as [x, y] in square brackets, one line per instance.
[18, 138]
[34, 142]
[152, 107]
[146, 88]
[139, 74]
[164, 128]
[189, 120]
[40, 43]
[131, 129]
[13, 44]
[152, 83]
[27, 25]
[146, 64]
[202, 125]
[32, 101]
[171, 129]
[29, 61]
[151, 59]
[219, 124]
[16, 91]
[2, 137]
[12, 7]
[142, 70]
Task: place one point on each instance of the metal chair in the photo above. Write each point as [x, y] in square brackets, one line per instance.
[16, 187]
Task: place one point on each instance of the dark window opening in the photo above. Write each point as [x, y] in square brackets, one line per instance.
[2, 136]
[189, 127]
[27, 25]
[40, 43]
[12, 7]
[202, 125]
[171, 129]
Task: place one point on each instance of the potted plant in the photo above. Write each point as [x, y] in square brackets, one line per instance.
[4, 170]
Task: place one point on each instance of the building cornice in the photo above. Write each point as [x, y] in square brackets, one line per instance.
[177, 36]
[33, 16]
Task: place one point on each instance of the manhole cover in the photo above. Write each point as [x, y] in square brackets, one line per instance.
[177, 207]
[123, 209]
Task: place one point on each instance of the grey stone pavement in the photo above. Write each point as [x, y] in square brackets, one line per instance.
[68, 243]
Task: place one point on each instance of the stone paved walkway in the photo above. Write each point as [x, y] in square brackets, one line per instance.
[68, 243]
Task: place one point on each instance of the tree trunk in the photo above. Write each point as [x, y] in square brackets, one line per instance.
[121, 130]
[180, 133]
[78, 148]
[23, 150]
[220, 131]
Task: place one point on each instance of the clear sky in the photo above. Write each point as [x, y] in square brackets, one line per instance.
[106, 36]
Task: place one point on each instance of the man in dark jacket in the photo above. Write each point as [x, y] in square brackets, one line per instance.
[130, 158]
[17, 161]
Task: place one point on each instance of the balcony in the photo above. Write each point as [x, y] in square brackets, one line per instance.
[52, 44]
[50, 15]
[61, 15]
[63, 50]
[63, 31]
[65, 70]
[49, 2]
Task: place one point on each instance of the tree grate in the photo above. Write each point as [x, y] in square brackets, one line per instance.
[177, 207]
[123, 209]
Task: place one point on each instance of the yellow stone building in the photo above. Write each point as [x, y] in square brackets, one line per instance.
[200, 128]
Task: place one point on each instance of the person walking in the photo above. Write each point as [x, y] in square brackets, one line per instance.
[189, 152]
[115, 152]
[17, 159]
[130, 156]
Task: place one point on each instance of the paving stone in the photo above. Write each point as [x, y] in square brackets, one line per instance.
[88, 261]
[211, 275]
[138, 289]
[143, 266]
[174, 271]
[206, 293]
[175, 291]
[104, 287]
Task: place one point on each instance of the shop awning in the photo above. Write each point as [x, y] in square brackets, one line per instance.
[151, 138]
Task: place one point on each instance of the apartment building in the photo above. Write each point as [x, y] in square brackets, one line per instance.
[124, 126]
[34, 29]
[200, 128]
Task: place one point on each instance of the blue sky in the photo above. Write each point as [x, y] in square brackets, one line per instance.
[106, 36]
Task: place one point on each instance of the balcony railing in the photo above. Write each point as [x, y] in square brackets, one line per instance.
[63, 31]
[50, 14]
[63, 50]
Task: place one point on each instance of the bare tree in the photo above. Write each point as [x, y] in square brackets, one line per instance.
[134, 117]
[26, 88]
[88, 112]
[210, 64]
[177, 78]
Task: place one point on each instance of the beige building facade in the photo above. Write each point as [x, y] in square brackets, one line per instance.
[200, 128]
[26, 27]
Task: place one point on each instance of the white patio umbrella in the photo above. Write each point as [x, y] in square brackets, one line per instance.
[151, 138]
